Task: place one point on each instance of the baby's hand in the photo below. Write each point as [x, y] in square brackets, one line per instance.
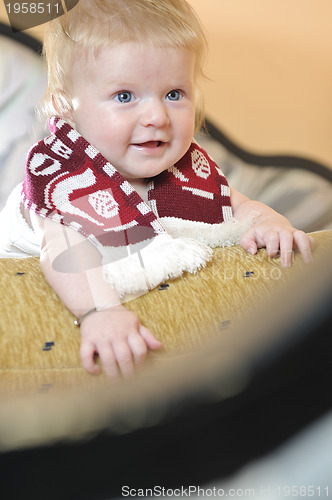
[119, 339]
[275, 232]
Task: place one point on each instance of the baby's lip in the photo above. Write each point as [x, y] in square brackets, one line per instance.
[149, 144]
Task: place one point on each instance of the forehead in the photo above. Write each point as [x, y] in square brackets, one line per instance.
[134, 60]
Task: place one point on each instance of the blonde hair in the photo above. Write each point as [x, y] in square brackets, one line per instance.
[93, 24]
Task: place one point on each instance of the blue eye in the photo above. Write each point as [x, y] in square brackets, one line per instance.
[124, 96]
[174, 95]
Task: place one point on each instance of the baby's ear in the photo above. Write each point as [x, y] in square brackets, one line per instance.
[62, 105]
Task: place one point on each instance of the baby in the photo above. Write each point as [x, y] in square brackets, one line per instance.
[119, 197]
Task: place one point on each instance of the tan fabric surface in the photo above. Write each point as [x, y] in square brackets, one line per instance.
[182, 315]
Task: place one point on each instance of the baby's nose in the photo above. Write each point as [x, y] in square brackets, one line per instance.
[155, 114]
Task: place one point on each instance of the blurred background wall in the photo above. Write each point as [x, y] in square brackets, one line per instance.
[270, 66]
[269, 73]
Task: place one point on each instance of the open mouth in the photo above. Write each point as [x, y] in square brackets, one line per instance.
[150, 144]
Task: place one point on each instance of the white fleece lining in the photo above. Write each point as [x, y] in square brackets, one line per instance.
[186, 247]
[225, 234]
[163, 258]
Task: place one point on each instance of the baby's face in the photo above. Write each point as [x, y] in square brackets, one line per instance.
[136, 105]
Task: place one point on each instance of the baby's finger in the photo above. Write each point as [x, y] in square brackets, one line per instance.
[138, 348]
[108, 360]
[272, 242]
[286, 248]
[151, 341]
[123, 356]
[87, 354]
[305, 245]
[248, 241]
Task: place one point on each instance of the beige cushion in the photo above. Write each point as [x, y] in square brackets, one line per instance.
[40, 343]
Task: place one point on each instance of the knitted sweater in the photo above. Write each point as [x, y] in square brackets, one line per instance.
[142, 243]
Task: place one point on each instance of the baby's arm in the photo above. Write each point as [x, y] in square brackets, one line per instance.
[271, 230]
[114, 333]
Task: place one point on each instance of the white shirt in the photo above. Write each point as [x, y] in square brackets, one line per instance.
[17, 239]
